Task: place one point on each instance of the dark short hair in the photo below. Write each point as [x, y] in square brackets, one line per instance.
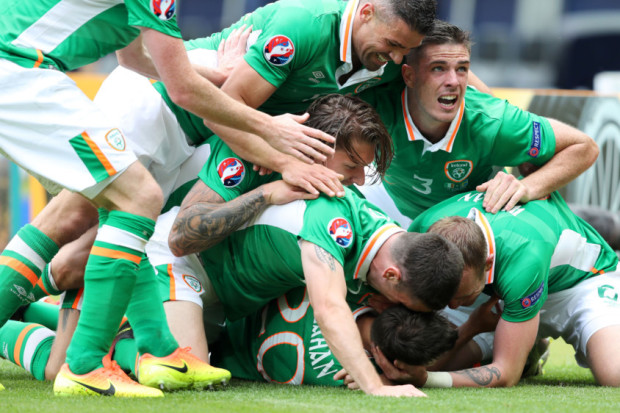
[418, 14]
[412, 337]
[442, 33]
[431, 267]
[350, 119]
[469, 239]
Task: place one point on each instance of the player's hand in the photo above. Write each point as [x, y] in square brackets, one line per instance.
[313, 178]
[504, 191]
[379, 303]
[484, 318]
[399, 371]
[406, 390]
[232, 49]
[290, 136]
[262, 170]
[280, 192]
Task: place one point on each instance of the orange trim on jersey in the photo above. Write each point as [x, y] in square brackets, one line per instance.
[21, 268]
[173, 293]
[368, 248]
[119, 255]
[39, 59]
[363, 298]
[361, 309]
[489, 236]
[78, 297]
[20, 339]
[42, 287]
[456, 129]
[100, 156]
[346, 36]
[595, 271]
[408, 125]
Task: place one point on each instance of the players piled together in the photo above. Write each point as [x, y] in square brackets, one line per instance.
[296, 246]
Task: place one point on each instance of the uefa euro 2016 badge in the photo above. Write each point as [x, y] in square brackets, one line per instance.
[279, 50]
[340, 231]
[535, 146]
[531, 299]
[231, 172]
[116, 139]
[164, 9]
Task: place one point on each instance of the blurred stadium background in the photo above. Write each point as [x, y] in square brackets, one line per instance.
[546, 56]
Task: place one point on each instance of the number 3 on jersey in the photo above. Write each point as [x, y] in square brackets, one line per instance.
[422, 185]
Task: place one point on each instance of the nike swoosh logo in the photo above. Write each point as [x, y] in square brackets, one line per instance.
[179, 369]
[104, 392]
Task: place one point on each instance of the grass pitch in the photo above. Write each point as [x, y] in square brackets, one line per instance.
[564, 387]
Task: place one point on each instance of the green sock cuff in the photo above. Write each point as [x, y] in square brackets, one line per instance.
[138, 225]
[47, 283]
[40, 358]
[103, 216]
[39, 242]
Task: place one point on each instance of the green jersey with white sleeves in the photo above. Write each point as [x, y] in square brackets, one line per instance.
[486, 134]
[539, 248]
[282, 343]
[262, 260]
[302, 48]
[67, 34]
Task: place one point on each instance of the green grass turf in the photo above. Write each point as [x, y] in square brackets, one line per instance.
[564, 387]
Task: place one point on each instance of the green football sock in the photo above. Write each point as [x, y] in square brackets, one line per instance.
[147, 317]
[28, 345]
[125, 354]
[21, 264]
[46, 285]
[42, 313]
[109, 281]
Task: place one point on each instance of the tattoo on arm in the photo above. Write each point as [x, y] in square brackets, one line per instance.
[482, 376]
[325, 257]
[208, 220]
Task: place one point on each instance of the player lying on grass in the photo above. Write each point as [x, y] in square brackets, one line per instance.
[281, 343]
[555, 273]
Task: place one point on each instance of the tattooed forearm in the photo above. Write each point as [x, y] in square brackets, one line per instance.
[482, 376]
[204, 224]
[325, 257]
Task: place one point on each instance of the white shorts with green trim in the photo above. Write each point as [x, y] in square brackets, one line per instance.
[579, 312]
[55, 132]
[179, 278]
[152, 129]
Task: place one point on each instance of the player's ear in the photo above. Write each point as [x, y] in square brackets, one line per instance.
[489, 262]
[408, 74]
[392, 274]
[366, 11]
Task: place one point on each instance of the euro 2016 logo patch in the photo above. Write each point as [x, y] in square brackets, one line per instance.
[279, 50]
[116, 139]
[531, 299]
[535, 146]
[340, 231]
[231, 172]
[459, 170]
[164, 9]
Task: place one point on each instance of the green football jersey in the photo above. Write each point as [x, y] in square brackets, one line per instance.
[282, 343]
[262, 260]
[229, 175]
[540, 247]
[300, 47]
[67, 34]
[488, 133]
